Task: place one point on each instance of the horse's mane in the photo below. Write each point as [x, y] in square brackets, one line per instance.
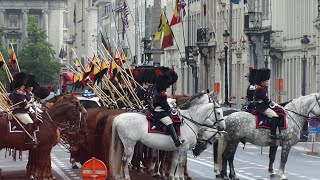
[190, 102]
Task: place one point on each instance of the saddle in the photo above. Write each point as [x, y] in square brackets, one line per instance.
[262, 121]
[156, 126]
[14, 127]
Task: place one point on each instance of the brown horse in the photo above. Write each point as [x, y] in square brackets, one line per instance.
[65, 115]
[94, 143]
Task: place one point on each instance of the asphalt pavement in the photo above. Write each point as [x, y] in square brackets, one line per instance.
[250, 164]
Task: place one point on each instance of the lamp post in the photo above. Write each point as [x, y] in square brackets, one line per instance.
[266, 52]
[226, 41]
[304, 43]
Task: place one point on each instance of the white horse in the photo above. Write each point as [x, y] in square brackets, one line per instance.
[129, 128]
[241, 126]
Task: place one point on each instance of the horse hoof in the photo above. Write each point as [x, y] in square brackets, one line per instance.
[156, 175]
[274, 175]
[188, 178]
[75, 167]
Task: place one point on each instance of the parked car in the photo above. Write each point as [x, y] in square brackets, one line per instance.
[89, 100]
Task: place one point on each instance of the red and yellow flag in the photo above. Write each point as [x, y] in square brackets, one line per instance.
[1, 60]
[167, 36]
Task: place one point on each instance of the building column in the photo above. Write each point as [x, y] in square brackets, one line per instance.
[2, 11]
[45, 21]
[24, 24]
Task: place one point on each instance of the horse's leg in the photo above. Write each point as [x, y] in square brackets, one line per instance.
[272, 155]
[127, 157]
[232, 174]
[219, 147]
[73, 160]
[174, 164]
[227, 154]
[181, 165]
[1, 176]
[284, 157]
[186, 174]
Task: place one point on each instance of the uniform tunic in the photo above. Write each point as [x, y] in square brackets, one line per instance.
[17, 96]
[160, 104]
[261, 96]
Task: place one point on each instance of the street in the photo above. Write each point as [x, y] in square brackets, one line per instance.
[249, 163]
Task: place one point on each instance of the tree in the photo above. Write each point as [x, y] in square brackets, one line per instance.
[3, 75]
[37, 55]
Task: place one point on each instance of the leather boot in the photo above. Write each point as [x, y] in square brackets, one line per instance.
[30, 131]
[273, 128]
[174, 136]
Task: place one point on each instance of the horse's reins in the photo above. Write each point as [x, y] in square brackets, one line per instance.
[302, 115]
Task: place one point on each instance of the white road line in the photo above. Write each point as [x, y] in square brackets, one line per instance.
[56, 169]
[209, 165]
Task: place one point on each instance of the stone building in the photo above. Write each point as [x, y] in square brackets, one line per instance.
[49, 14]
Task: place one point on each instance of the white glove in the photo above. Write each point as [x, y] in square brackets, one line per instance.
[31, 110]
[171, 102]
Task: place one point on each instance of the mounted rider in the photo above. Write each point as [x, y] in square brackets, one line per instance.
[251, 88]
[20, 103]
[262, 102]
[162, 110]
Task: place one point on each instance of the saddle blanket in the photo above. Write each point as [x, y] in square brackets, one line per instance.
[262, 121]
[156, 126]
[14, 127]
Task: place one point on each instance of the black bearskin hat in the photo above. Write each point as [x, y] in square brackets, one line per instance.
[31, 81]
[252, 75]
[173, 77]
[41, 92]
[262, 75]
[162, 82]
[19, 80]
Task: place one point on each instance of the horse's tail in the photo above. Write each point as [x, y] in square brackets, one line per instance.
[116, 153]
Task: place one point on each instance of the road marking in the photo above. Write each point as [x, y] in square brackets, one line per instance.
[209, 165]
[310, 156]
[56, 169]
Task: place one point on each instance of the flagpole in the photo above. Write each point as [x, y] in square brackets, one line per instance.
[77, 58]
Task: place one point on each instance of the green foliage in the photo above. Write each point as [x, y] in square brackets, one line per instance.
[3, 76]
[36, 56]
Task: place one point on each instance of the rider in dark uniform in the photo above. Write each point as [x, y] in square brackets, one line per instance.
[162, 109]
[251, 88]
[21, 107]
[262, 101]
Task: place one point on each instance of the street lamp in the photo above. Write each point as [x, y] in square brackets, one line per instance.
[304, 43]
[226, 41]
[266, 52]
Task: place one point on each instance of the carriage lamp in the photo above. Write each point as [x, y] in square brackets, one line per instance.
[226, 41]
[304, 43]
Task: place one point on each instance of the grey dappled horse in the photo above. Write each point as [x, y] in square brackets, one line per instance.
[241, 127]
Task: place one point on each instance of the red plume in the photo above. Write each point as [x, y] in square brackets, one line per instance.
[250, 68]
[135, 73]
[158, 72]
[171, 69]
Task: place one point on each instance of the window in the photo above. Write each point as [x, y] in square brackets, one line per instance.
[36, 19]
[65, 20]
[13, 21]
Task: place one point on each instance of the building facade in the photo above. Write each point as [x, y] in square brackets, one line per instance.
[50, 15]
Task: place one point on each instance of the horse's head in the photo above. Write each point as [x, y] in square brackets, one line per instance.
[203, 104]
[206, 136]
[315, 106]
[72, 99]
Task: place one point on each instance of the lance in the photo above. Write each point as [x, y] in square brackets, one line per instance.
[126, 72]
